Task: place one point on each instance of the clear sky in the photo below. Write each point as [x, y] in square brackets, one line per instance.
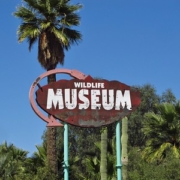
[133, 41]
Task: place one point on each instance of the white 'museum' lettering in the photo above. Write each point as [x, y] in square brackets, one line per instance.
[95, 99]
[83, 98]
[106, 105]
[71, 98]
[75, 98]
[54, 99]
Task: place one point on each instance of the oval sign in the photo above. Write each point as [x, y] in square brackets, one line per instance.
[89, 102]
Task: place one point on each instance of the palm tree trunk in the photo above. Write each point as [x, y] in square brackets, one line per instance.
[103, 165]
[124, 141]
[51, 139]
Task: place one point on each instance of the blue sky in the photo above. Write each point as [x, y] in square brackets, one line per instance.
[134, 41]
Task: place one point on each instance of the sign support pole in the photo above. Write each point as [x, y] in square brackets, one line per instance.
[66, 165]
[118, 150]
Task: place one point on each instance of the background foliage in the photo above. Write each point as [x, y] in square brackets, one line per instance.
[85, 150]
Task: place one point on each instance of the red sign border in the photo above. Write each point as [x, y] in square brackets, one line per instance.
[51, 121]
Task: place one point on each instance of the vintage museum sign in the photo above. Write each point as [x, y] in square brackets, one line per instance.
[88, 102]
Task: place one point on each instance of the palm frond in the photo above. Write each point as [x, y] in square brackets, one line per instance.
[27, 30]
[44, 25]
[37, 7]
[26, 15]
[163, 132]
[66, 8]
[70, 20]
[74, 36]
[61, 36]
[31, 41]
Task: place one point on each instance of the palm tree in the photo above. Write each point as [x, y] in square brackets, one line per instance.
[11, 161]
[39, 158]
[163, 132]
[37, 165]
[50, 23]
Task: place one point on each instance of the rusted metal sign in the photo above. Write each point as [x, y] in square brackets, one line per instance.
[88, 102]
